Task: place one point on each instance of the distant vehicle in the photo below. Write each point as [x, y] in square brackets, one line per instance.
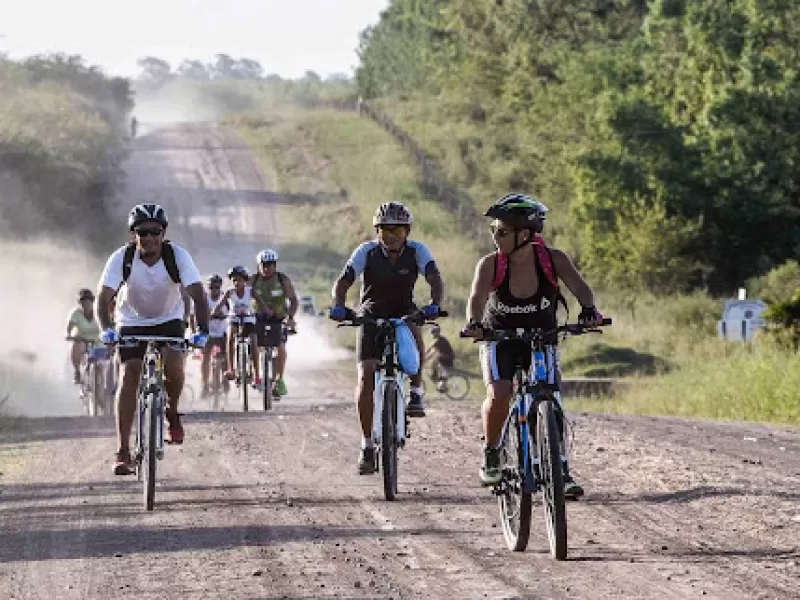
[307, 305]
[741, 318]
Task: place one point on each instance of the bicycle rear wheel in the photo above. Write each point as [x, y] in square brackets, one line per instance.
[513, 500]
[457, 387]
[266, 376]
[389, 440]
[150, 445]
[552, 478]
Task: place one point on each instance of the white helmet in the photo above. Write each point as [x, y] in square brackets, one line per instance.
[268, 255]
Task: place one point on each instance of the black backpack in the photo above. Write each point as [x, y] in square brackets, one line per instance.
[167, 253]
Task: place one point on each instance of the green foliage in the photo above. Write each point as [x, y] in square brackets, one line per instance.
[784, 321]
[669, 129]
[778, 285]
[61, 145]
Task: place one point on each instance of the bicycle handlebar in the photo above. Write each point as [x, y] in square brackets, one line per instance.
[77, 338]
[529, 335]
[177, 343]
[415, 318]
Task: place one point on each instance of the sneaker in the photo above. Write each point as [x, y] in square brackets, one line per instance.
[123, 465]
[230, 375]
[258, 384]
[366, 461]
[174, 432]
[280, 387]
[416, 407]
[572, 490]
[490, 473]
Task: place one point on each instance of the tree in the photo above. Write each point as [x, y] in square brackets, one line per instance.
[154, 71]
[193, 69]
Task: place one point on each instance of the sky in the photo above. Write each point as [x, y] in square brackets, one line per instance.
[287, 37]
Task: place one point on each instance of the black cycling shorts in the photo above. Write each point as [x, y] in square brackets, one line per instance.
[173, 328]
[270, 331]
[500, 360]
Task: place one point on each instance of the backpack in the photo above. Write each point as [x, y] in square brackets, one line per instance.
[545, 262]
[167, 254]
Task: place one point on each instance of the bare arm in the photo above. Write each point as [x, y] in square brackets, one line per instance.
[572, 279]
[291, 294]
[187, 304]
[105, 295]
[481, 288]
[339, 291]
[198, 294]
[434, 279]
[216, 312]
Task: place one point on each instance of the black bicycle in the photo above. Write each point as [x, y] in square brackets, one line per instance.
[389, 420]
[532, 442]
[274, 333]
[151, 401]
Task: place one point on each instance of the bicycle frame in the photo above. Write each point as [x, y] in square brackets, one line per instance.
[388, 370]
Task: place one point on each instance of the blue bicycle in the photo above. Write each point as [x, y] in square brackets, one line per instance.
[531, 442]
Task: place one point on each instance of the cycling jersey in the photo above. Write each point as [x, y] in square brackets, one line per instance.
[271, 293]
[387, 290]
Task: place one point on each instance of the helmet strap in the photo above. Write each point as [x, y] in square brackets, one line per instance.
[517, 244]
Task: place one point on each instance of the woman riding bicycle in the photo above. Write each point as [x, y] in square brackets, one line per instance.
[82, 324]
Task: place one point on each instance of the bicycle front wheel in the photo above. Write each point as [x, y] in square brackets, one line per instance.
[266, 376]
[242, 358]
[389, 440]
[552, 479]
[150, 447]
[92, 389]
[456, 387]
[513, 500]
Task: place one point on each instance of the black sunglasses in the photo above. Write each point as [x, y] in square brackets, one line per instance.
[145, 231]
[269, 263]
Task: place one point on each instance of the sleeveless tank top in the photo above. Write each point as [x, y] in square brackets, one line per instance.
[240, 305]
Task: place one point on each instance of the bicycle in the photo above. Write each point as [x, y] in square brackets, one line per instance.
[96, 388]
[531, 441]
[243, 365]
[150, 409]
[389, 419]
[219, 387]
[452, 383]
[274, 333]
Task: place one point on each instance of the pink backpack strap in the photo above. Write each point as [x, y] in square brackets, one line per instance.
[500, 268]
[545, 261]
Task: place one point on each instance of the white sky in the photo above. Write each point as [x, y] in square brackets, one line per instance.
[288, 37]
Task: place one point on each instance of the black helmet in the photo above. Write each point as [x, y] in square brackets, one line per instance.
[238, 271]
[392, 213]
[520, 211]
[214, 279]
[85, 294]
[146, 212]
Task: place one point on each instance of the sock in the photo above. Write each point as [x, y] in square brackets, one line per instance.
[366, 443]
[417, 390]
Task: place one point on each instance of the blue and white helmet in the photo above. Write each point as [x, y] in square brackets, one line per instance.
[266, 256]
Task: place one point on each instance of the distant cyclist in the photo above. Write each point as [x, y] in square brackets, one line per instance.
[216, 329]
[82, 323]
[440, 358]
[274, 289]
[134, 126]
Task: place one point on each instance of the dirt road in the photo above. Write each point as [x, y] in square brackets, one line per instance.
[268, 505]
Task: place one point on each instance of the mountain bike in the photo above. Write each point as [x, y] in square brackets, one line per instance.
[274, 334]
[389, 419]
[96, 389]
[532, 447]
[452, 383]
[243, 364]
[151, 401]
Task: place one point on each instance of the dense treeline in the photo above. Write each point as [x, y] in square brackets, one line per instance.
[62, 129]
[665, 135]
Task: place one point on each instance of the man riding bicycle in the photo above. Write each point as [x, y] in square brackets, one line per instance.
[273, 289]
[440, 356]
[389, 267]
[81, 323]
[517, 287]
[216, 330]
[241, 318]
[146, 278]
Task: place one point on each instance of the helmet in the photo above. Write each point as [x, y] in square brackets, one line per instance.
[391, 213]
[268, 255]
[435, 330]
[214, 279]
[146, 212]
[519, 210]
[238, 271]
[85, 294]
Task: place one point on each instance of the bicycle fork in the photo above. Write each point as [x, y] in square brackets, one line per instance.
[377, 412]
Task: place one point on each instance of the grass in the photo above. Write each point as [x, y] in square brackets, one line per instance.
[345, 166]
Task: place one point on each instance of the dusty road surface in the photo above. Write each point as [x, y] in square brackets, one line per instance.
[269, 505]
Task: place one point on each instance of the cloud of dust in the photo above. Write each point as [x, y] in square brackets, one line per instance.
[309, 347]
[42, 281]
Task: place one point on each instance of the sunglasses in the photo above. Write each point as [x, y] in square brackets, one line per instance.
[215, 287]
[500, 232]
[392, 229]
[269, 263]
[152, 231]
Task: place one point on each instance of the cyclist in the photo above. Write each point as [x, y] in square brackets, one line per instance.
[146, 276]
[273, 289]
[134, 126]
[238, 300]
[217, 330]
[82, 323]
[389, 267]
[517, 286]
[440, 356]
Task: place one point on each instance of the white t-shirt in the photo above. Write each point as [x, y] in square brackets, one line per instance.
[240, 307]
[150, 297]
[216, 327]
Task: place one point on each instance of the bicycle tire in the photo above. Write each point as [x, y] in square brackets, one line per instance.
[515, 518]
[216, 383]
[552, 477]
[243, 379]
[151, 432]
[90, 385]
[389, 440]
[457, 387]
[266, 364]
